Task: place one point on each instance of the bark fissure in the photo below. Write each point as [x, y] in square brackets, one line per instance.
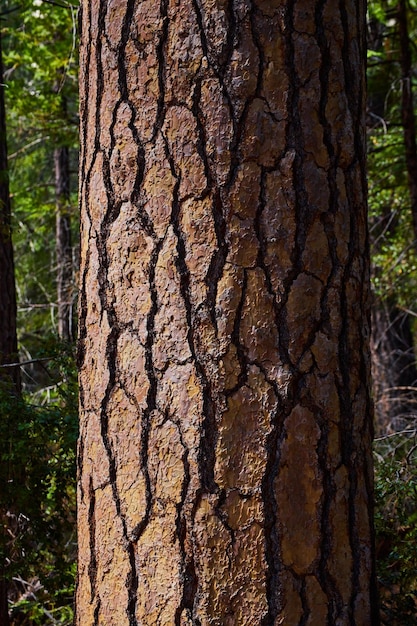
[92, 566]
[208, 435]
[218, 260]
[121, 50]
[160, 54]
[189, 577]
[140, 528]
[241, 355]
[272, 544]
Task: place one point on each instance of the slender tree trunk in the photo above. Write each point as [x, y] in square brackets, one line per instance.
[225, 440]
[63, 244]
[8, 336]
[407, 109]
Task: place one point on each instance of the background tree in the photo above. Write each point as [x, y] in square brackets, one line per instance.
[225, 448]
[8, 336]
[41, 68]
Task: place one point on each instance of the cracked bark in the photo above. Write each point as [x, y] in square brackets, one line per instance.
[225, 470]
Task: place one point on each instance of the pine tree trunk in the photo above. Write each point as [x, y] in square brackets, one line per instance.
[63, 244]
[225, 446]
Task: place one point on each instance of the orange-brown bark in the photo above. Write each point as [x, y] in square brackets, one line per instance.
[224, 455]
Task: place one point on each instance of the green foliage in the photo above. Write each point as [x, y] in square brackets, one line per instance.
[392, 237]
[396, 526]
[40, 72]
[394, 275]
[376, 10]
[38, 431]
[393, 253]
[38, 610]
[40, 61]
[37, 449]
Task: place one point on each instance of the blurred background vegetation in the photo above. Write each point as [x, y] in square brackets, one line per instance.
[392, 174]
[38, 424]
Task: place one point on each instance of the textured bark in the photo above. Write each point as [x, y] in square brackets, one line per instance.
[225, 472]
[63, 244]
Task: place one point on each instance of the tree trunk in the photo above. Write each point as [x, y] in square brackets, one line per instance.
[225, 447]
[407, 109]
[8, 336]
[63, 244]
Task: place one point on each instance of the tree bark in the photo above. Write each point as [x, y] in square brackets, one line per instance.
[63, 244]
[225, 466]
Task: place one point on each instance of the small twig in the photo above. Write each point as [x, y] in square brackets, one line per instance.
[68, 5]
[19, 364]
[410, 452]
[403, 308]
[28, 146]
[400, 432]
[402, 388]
